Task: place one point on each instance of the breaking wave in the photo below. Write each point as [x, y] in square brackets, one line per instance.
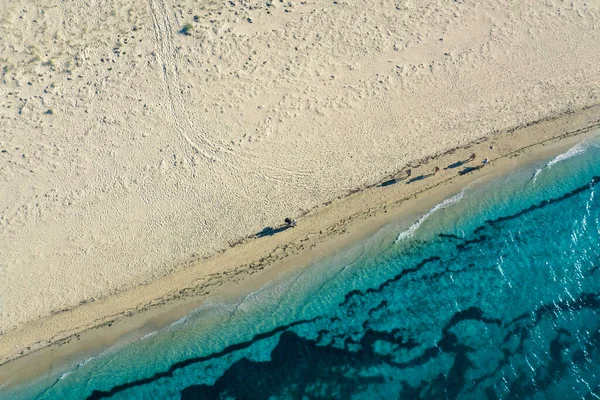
[576, 150]
[411, 230]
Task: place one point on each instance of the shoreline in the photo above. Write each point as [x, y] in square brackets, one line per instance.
[249, 263]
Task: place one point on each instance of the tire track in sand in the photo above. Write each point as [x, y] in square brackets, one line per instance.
[163, 31]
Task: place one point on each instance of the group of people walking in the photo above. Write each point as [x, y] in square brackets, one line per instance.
[470, 159]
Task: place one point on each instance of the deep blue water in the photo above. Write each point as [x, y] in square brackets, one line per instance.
[494, 295]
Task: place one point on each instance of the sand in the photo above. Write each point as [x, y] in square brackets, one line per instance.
[132, 151]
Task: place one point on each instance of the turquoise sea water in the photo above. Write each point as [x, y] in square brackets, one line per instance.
[495, 294]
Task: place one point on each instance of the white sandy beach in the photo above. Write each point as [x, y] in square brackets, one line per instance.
[129, 149]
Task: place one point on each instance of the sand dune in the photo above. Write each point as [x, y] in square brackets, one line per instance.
[132, 142]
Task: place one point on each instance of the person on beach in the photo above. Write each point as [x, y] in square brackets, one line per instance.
[408, 173]
[436, 170]
[472, 157]
[486, 161]
[290, 222]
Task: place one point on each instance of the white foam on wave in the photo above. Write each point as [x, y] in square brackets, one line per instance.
[215, 303]
[273, 292]
[149, 335]
[207, 305]
[411, 230]
[537, 172]
[117, 346]
[579, 148]
[180, 321]
[576, 150]
[81, 364]
[66, 374]
[63, 376]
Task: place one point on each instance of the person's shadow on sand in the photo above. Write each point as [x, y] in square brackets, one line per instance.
[390, 182]
[469, 169]
[462, 162]
[457, 164]
[270, 231]
[418, 178]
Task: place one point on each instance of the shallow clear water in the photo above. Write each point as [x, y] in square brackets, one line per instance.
[494, 295]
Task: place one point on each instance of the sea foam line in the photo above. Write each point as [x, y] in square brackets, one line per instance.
[209, 303]
[572, 152]
[576, 150]
[81, 364]
[411, 230]
[118, 346]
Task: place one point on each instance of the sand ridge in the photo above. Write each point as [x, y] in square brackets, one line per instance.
[129, 148]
